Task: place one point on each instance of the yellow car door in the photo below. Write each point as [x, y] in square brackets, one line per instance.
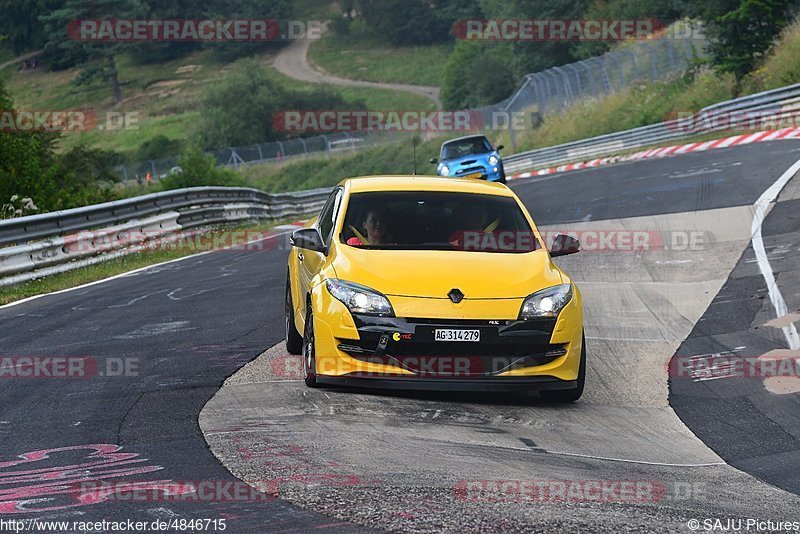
[311, 263]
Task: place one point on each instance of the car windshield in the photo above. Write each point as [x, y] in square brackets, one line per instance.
[465, 147]
[426, 220]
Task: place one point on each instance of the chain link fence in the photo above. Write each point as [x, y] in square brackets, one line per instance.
[554, 89]
[274, 152]
[541, 93]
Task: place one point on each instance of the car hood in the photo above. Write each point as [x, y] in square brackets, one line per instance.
[432, 274]
[469, 157]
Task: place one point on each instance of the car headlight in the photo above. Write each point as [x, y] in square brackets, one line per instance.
[547, 302]
[360, 299]
[493, 160]
[445, 170]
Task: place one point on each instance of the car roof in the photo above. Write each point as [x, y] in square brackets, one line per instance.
[366, 184]
[465, 138]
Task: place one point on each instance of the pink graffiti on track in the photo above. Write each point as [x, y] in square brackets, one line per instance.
[49, 479]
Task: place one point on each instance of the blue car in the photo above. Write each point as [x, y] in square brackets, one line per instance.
[471, 157]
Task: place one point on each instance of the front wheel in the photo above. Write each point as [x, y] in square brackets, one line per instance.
[571, 395]
[294, 341]
[309, 352]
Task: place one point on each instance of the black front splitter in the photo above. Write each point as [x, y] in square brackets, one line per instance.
[413, 383]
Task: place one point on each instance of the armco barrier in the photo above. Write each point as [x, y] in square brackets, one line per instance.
[781, 104]
[59, 241]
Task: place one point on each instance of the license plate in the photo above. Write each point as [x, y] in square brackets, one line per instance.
[473, 175]
[442, 334]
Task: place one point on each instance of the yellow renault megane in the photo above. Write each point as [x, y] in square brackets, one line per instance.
[418, 282]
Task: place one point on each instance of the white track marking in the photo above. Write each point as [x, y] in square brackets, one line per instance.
[129, 273]
[760, 207]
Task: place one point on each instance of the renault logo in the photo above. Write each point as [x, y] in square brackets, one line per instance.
[455, 295]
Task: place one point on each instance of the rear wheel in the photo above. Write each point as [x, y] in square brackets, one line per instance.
[294, 341]
[570, 395]
[309, 352]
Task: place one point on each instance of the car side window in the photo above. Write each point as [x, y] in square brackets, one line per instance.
[327, 216]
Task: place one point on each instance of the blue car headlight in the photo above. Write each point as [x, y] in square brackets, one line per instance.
[445, 170]
[493, 160]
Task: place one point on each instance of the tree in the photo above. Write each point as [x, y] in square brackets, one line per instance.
[159, 52]
[742, 31]
[239, 110]
[97, 58]
[30, 167]
[20, 22]
[404, 22]
[462, 88]
[663, 13]
[279, 10]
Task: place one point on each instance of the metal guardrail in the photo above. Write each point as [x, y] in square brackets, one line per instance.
[59, 241]
[53, 242]
[774, 106]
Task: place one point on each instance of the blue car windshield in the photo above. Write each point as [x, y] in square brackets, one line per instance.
[434, 220]
[465, 147]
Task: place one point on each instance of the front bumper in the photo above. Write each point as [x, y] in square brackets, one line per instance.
[401, 353]
[487, 172]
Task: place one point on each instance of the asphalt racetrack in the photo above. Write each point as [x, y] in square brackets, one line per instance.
[349, 461]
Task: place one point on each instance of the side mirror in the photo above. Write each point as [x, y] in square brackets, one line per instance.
[564, 245]
[500, 147]
[434, 161]
[309, 239]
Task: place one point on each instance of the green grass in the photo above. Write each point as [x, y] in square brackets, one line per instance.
[177, 126]
[166, 98]
[375, 99]
[362, 57]
[123, 264]
[309, 173]
[636, 106]
[781, 66]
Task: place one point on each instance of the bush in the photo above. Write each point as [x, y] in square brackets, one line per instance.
[158, 147]
[240, 109]
[199, 169]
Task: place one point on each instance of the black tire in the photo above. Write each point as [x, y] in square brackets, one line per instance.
[502, 179]
[294, 341]
[570, 395]
[309, 351]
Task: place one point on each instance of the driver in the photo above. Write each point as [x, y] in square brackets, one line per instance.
[478, 146]
[375, 228]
